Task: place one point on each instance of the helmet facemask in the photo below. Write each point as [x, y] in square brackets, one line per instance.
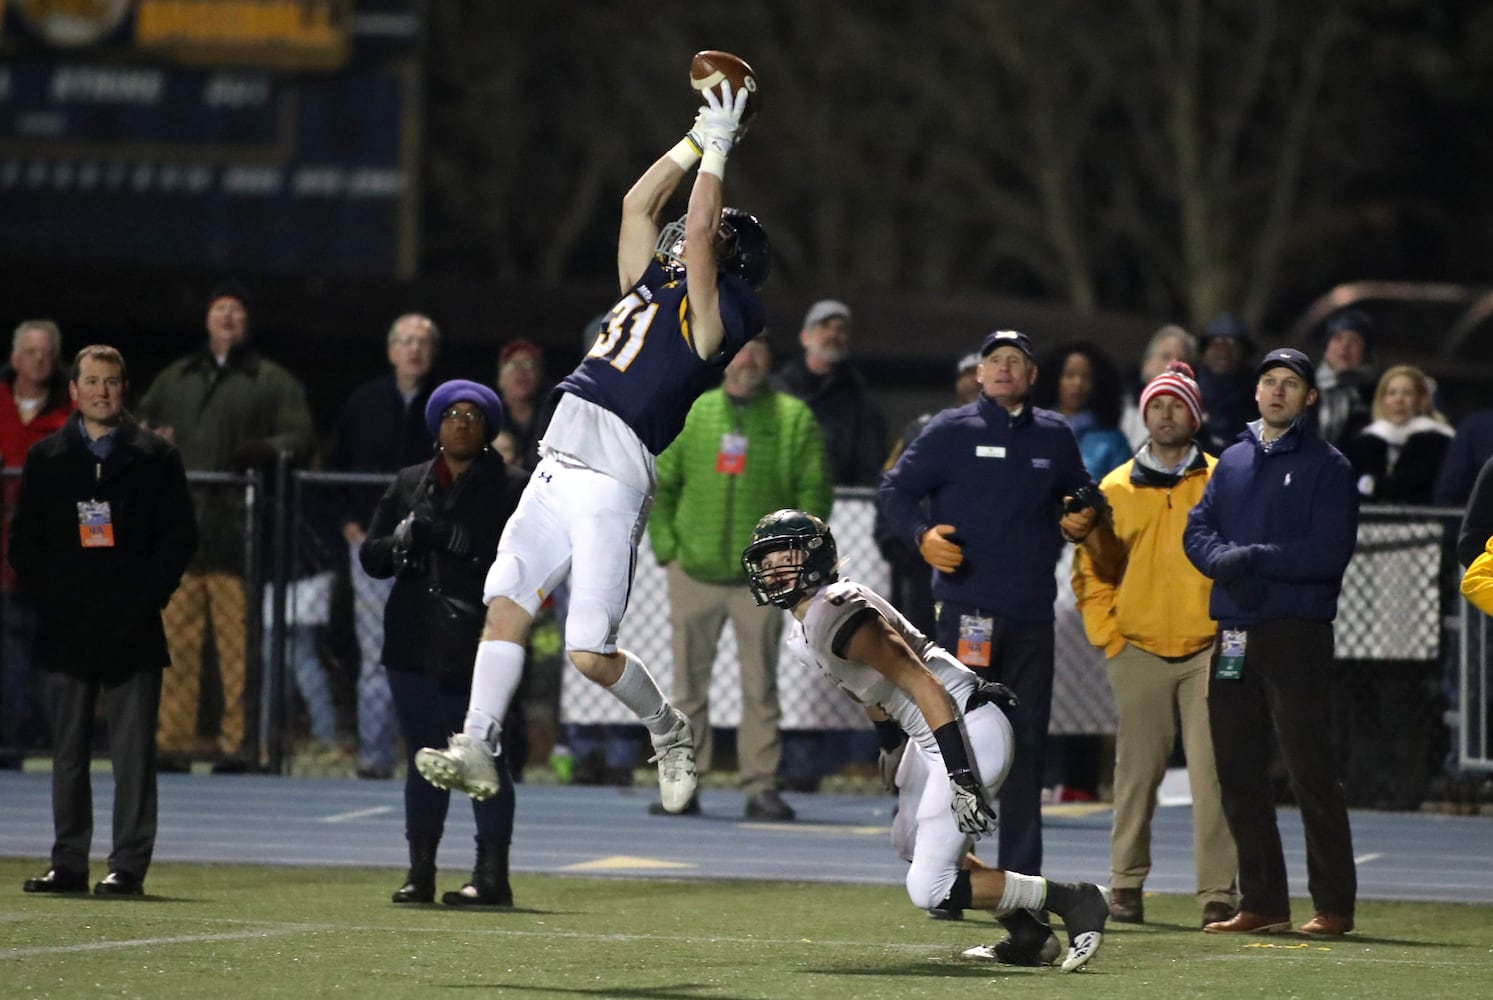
[783, 570]
[669, 247]
[740, 246]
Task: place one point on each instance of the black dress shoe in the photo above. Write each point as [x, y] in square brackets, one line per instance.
[120, 884]
[57, 880]
[769, 805]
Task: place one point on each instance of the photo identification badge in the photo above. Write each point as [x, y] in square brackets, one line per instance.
[975, 632]
[731, 459]
[1230, 666]
[95, 524]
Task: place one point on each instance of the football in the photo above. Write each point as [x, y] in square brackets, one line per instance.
[710, 67]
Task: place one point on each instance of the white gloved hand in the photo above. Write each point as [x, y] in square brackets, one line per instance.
[971, 811]
[719, 121]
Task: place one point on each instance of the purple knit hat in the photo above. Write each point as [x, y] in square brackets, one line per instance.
[462, 391]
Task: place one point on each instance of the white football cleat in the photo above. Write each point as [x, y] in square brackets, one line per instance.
[464, 766]
[674, 753]
[1007, 952]
[1085, 923]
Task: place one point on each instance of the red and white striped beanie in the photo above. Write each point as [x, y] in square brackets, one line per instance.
[1178, 381]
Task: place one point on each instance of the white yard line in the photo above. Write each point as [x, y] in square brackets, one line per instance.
[244, 935]
[356, 814]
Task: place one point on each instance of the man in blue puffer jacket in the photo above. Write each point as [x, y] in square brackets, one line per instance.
[1275, 530]
[998, 476]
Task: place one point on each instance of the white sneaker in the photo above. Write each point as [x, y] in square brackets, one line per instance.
[674, 753]
[1085, 923]
[465, 766]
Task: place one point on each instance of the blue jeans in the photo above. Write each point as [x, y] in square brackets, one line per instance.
[377, 729]
[427, 715]
[310, 680]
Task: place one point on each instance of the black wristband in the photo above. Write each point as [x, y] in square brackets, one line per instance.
[888, 734]
[950, 737]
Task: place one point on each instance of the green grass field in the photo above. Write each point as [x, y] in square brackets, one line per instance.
[232, 931]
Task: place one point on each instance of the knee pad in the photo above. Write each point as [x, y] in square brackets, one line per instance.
[588, 626]
[944, 889]
[505, 578]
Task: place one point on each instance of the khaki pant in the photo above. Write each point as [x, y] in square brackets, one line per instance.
[698, 611]
[1149, 692]
[221, 596]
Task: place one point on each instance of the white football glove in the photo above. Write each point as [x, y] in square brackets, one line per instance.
[971, 811]
[719, 122]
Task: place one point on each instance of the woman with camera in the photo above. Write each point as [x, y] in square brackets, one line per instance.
[436, 530]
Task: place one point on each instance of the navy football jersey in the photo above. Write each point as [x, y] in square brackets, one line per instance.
[643, 367]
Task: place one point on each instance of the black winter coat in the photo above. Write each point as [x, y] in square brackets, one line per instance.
[853, 425]
[1413, 477]
[434, 617]
[99, 609]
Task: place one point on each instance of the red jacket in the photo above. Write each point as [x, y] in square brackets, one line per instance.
[16, 439]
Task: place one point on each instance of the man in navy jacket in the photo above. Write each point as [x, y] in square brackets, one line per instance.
[1275, 530]
[995, 474]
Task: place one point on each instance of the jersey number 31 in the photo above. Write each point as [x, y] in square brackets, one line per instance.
[622, 337]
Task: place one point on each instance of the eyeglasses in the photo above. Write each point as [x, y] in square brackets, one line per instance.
[463, 416]
[520, 364]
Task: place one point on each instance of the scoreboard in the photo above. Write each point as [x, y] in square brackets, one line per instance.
[154, 133]
[286, 34]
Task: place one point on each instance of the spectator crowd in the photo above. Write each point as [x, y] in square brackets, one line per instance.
[775, 435]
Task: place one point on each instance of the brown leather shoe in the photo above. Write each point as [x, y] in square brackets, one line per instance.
[1245, 922]
[1127, 906]
[1328, 925]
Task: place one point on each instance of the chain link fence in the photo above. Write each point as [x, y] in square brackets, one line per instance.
[281, 632]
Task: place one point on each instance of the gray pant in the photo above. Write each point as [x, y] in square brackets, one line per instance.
[698, 612]
[130, 709]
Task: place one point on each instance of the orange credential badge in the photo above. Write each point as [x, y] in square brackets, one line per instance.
[95, 524]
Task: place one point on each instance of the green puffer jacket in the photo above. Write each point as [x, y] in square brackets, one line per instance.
[708, 499]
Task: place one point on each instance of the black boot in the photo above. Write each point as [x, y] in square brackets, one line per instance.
[489, 882]
[419, 884]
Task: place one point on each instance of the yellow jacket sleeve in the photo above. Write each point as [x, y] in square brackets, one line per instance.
[1477, 582]
[1096, 600]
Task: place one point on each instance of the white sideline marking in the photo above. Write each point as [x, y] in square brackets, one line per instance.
[623, 862]
[934, 952]
[67, 949]
[1364, 859]
[356, 814]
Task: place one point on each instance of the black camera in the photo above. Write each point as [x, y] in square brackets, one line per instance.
[1087, 495]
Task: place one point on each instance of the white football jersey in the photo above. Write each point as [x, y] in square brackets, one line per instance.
[836, 605]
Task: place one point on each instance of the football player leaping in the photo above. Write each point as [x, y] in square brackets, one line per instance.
[689, 303]
[954, 723]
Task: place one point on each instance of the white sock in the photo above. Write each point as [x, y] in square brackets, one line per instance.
[495, 676]
[637, 690]
[1023, 892]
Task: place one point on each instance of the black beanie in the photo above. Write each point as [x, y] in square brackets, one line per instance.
[230, 288]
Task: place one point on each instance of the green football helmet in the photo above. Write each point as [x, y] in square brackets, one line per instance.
[797, 531]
